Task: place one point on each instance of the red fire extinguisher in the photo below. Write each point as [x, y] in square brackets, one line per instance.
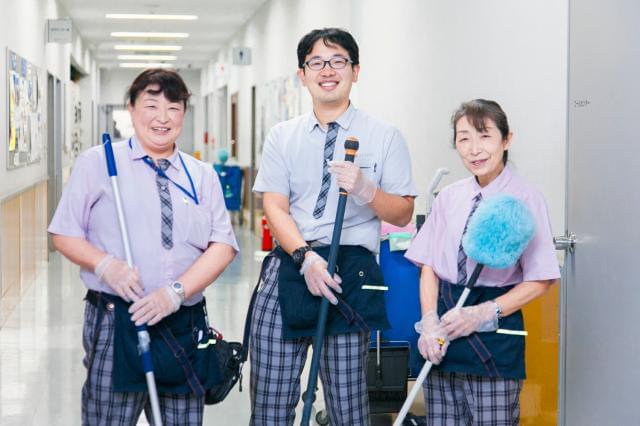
[267, 241]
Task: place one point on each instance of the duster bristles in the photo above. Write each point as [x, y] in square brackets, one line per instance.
[499, 231]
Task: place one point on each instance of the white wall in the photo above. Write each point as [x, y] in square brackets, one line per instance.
[421, 59]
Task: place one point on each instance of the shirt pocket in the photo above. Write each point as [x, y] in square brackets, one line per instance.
[369, 166]
[198, 226]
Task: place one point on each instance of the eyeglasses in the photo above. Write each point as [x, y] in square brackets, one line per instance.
[337, 63]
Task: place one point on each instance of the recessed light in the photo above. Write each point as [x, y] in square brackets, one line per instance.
[151, 16]
[145, 65]
[147, 57]
[148, 34]
[148, 47]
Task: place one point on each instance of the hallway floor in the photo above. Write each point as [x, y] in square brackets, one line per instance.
[41, 371]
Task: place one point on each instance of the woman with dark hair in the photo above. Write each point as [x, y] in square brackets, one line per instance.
[479, 369]
[181, 240]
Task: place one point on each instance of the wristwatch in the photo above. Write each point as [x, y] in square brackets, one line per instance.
[178, 287]
[298, 255]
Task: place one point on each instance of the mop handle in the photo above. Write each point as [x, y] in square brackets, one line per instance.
[143, 335]
[428, 364]
[351, 148]
[440, 173]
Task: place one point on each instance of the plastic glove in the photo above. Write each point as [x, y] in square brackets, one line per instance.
[155, 306]
[319, 282]
[124, 280]
[352, 180]
[464, 321]
[432, 342]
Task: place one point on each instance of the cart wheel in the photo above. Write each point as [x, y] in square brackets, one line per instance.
[322, 418]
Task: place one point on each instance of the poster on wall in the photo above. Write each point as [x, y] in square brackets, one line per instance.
[276, 100]
[26, 111]
[76, 116]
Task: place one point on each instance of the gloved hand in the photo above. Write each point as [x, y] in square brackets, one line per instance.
[352, 180]
[433, 342]
[464, 321]
[155, 306]
[124, 280]
[319, 282]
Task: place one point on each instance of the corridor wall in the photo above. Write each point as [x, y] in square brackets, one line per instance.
[23, 191]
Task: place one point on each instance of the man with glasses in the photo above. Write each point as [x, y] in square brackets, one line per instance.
[299, 178]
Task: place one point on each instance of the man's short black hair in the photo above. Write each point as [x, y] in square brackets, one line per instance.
[169, 81]
[330, 37]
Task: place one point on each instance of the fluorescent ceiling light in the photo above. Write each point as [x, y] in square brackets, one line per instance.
[148, 34]
[144, 65]
[147, 57]
[150, 16]
[148, 47]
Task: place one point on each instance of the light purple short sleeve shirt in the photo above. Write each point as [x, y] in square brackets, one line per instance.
[437, 243]
[87, 210]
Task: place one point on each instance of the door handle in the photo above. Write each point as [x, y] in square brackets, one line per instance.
[565, 242]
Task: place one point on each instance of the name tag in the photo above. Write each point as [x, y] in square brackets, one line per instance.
[512, 332]
[375, 287]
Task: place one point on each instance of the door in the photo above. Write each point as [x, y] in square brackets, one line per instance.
[220, 123]
[252, 164]
[234, 126]
[600, 374]
[54, 146]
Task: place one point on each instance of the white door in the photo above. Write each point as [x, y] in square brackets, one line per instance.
[600, 370]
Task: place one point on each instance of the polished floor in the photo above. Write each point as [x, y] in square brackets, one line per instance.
[41, 372]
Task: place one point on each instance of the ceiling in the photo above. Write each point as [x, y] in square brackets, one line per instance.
[218, 21]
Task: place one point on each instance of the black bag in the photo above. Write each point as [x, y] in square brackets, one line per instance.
[231, 358]
[228, 358]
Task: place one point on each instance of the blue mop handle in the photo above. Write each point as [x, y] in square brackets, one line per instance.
[351, 148]
[143, 335]
[113, 174]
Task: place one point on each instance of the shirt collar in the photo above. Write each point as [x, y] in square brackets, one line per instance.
[344, 120]
[496, 186]
[137, 153]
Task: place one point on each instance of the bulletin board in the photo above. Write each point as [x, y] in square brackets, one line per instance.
[26, 106]
[276, 100]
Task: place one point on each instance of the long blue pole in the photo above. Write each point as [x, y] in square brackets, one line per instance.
[143, 334]
[351, 147]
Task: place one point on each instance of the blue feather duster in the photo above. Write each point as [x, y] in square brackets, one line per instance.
[499, 231]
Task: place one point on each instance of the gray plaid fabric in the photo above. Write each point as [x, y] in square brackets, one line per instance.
[462, 256]
[458, 399]
[276, 365]
[166, 210]
[104, 407]
[329, 147]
